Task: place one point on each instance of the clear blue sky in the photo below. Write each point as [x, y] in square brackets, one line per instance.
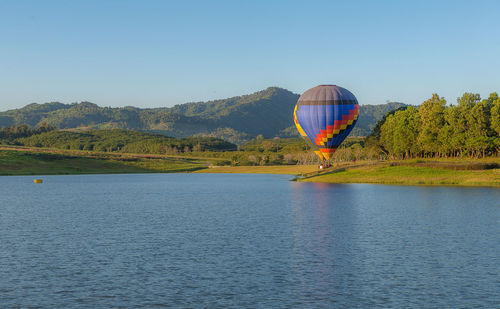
[161, 53]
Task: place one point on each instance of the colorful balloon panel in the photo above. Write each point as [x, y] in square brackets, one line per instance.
[324, 116]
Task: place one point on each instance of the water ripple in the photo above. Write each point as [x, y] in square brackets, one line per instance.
[256, 241]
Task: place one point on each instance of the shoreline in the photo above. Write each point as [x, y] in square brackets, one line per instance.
[442, 172]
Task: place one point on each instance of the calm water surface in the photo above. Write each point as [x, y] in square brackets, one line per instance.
[256, 241]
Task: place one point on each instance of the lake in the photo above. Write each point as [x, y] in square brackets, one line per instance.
[254, 241]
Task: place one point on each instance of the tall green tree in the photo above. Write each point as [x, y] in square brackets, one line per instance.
[495, 121]
[387, 131]
[495, 115]
[450, 138]
[478, 135]
[407, 129]
[432, 120]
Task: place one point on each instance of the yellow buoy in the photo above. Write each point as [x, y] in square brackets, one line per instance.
[38, 181]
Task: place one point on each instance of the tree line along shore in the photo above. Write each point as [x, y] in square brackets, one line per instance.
[434, 130]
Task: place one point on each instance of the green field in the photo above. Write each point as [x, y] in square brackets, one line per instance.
[37, 161]
[457, 173]
[15, 162]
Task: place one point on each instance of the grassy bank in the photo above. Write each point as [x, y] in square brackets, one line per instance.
[457, 173]
[17, 162]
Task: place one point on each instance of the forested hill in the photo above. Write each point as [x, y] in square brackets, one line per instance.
[369, 115]
[267, 112]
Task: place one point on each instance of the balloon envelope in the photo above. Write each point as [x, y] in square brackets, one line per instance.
[324, 116]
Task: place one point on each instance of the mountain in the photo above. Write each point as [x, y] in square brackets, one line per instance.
[237, 119]
[370, 114]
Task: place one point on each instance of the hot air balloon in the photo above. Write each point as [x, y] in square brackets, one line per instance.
[324, 116]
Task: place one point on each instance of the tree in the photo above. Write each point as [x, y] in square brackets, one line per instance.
[462, 124]
[478, 133]
[449, 141]
[387, 131]
[408, 123]
[432, 120]
[495, 122]
[495, 116]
